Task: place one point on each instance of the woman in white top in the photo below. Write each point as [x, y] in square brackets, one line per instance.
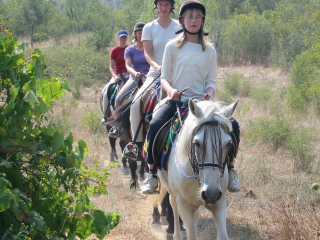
[189, 61]
[155, 36]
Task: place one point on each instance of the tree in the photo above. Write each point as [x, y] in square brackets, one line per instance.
[28, 15]
[44, 185]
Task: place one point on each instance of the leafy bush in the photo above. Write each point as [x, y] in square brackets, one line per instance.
[79, 63]
[262, 95]
[39, 37]
[246, 88]
[90, 121]
[276, 132]
[44, 186]
[304, 91]
[301, 150]
[247, 38]
[232, 83]
[224, 96]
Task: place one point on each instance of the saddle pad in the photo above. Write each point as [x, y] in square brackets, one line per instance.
[111, 89]
[166, 134]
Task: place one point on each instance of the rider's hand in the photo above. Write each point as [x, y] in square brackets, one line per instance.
[174, 94]
[116, 79]
[159, 68]
[138, 75]
[207, 96]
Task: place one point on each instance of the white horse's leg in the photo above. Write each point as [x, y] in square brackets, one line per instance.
[177, 234]
[187, 214]
[196, 217]
[219, 211]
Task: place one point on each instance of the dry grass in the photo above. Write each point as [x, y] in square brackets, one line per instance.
[275, 201]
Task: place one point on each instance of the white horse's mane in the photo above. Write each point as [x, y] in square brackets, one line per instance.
[210, 111]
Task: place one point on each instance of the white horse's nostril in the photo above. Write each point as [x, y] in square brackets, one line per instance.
[203, 195]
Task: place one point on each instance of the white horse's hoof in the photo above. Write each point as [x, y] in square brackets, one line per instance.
[169, 236]
[184, 235]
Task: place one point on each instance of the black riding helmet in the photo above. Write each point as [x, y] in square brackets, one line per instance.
[172, 2]
[138, 26]
[191, 4]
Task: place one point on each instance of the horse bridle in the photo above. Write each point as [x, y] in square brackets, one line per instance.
[195, 164]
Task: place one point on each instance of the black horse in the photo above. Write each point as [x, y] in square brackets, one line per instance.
[121, 119]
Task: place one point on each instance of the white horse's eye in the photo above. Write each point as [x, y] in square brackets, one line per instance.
[195, 142]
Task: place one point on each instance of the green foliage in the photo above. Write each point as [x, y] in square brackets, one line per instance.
[90, 121]
[224, 96]
[39, 37]
[278, 132]
[232, 83]
[262, 95]
[44, 186]
[81, 64]
[247, 38]
[274, 131]
[304, 90]
[301, 150]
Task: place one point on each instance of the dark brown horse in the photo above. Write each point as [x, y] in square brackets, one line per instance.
[121, 119]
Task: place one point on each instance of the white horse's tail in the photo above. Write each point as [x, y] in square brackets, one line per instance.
[156, 199]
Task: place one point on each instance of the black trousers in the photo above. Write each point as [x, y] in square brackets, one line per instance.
[165, 113]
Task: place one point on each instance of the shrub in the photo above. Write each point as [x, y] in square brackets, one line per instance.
[301, 150]
[304, 90]
[246, 88]
[262, 95]
[224, 96]
[232, 83]
[91, 121]
[79, 63]
[40, 37]
[44, 185]
[276, 131]
[247, 39]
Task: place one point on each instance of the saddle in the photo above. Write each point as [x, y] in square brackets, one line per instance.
[166, 134]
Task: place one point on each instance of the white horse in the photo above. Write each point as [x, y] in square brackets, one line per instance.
[197, 171]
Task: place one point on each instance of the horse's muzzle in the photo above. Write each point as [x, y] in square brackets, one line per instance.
[211, 196]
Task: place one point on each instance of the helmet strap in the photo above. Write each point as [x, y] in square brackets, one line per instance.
[185, 30]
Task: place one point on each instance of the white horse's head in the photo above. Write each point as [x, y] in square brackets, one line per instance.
[206, 133]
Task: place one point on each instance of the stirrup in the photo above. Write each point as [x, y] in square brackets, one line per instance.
[131, 154]
[114, 132]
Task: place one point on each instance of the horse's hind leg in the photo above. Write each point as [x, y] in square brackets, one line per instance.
[155, 215]
[133, 168]
[124, 160]
[113, 154]
[142, 169]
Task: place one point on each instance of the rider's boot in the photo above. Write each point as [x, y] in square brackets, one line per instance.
[114, 132]
[103, 120]
[233, 184]
[150, 184]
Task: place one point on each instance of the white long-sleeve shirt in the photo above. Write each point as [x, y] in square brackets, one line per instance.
[191, 67]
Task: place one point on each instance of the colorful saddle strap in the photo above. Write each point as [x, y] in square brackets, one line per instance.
[172, 134]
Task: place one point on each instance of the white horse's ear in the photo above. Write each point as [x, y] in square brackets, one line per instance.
[195, 109]
[229, 110]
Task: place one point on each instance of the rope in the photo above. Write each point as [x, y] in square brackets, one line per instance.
[176, 160]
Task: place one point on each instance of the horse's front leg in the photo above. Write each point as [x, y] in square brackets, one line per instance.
[177, 234]
[219, 212]
[188, 213]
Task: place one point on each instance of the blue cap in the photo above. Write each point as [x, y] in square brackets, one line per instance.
[122, 33]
